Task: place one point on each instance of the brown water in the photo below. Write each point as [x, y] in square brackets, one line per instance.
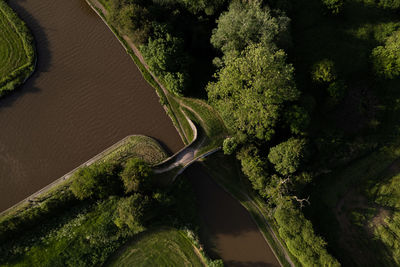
[230, 232]
[85, 95]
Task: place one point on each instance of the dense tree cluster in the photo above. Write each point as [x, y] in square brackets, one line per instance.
[164, 56]
[255, 94]
[249, 22]
[386, 59]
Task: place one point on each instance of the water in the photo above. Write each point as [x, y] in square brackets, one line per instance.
[228, 231]
[85, 95]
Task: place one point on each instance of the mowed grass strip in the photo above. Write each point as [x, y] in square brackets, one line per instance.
[16, 49]
[162, 247]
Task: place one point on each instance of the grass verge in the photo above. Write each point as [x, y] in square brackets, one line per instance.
[158, 247]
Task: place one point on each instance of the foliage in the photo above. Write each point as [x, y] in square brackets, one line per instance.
[297, 119]
[130, 212]
[253, 167]
[209, 7]
[324, 71]
[248, 23]
[386, 59]
[229, 146]
[97, 181]
[131, 18]
[135, 175]
[17, 52]
[163, 54]
[287, 156]
[389, 4]
[251, 89]
[334, 6]
[300, 238]
[337, 89]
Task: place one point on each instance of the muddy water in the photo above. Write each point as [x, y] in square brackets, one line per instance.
[85, 95]
[230, 232]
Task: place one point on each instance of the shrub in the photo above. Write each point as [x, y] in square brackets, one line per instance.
[334, 6]
[135, 175]
[131, 211]
[97, 181]
[324, 71]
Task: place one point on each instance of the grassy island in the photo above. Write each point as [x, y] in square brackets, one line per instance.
[17, 53]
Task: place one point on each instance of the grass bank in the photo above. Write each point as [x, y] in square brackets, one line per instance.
[17, 52]
[158, 247]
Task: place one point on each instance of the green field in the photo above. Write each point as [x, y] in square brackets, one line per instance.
[163, 247]
[16, 50]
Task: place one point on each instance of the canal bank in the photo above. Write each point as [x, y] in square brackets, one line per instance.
[85, 95]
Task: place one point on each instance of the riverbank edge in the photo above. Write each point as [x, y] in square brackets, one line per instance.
[147, 75]
[264, 222]
[63, 181]
[20, 75]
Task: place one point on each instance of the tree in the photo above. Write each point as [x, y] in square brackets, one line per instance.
[131, 212]
[251, 89]
[135, 175]
[248, 22]
[253, 167]
[165, 57]
[287, 156]
[334, 6]
[97, 181]
[300, 237]
[386, 59]
[324, 71]
[229, 146]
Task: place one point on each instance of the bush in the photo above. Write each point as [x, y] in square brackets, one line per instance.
[97, 181]
[334, 6]
[135, 175]
[324, 71]
[131, 211]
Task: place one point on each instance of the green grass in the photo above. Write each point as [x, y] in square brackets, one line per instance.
[16, 50]
[209, 120]
[160, 247]
[138, 146]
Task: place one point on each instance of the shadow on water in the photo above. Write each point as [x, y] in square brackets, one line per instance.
[228, 231]
[43, 54]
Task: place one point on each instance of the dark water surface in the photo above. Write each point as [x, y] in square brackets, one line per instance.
[229, 233]
[85, 95]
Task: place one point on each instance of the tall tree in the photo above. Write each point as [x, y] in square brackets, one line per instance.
[251, 90]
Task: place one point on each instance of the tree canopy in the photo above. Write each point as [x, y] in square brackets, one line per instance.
[251, 90]
[386, 59]
[97, 181]
[135, 175]
[246, 23]
[287, 156]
